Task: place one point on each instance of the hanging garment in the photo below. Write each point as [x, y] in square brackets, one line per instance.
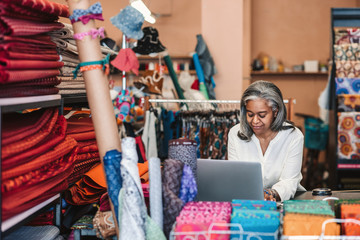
[156, 203]
[149, 135]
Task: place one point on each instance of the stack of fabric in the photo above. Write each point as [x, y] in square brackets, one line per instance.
[255, 218]
[81, 128]
[196, 218]
[67, 49]
[37, 159]
[29, 62]
[305, 217]
[350, 211]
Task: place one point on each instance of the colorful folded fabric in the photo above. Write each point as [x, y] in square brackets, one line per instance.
[55, 137]
[195, 219]
[347, 85]
[11, 64]
[29, 140]
[347, 69]
[9, 92]
[104, 224]
[296, 224]
[80, 168]
[347, 51]
[350, 211]
[20, 27]
[88, 189]
[348, 103]
[253, 204]
[32, 56]
[349, 135]
[317, 207]
[45, 6]
[10, 76]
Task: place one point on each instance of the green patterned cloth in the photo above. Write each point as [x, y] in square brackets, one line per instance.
[317, 207]
[85, 222]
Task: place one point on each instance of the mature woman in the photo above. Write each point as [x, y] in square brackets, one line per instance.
[264, 135]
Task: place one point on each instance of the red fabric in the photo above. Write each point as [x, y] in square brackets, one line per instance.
[195, 85]
[21, 55]
[54, 138]
[27, 91]
[22, 27]
[13, 209]
[126, 60]
[28, 64]
[89, 147]
[28, 48]
[45, 6]
[81, 168]
[83, 136]
[20, 125]
[50, 81]
[59, 150]
[105, 203]
[25, 75]
[30, 140]
[44, 40]
[16, 11]
[140, 144]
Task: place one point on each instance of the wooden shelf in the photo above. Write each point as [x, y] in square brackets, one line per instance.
[192, 72]
[179, 57]
[262, 73]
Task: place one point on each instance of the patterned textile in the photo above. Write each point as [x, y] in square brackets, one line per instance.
[349, 135]
[196, 217]
[104, 224]
[347, 85]
[21, 55]
[134, 222]
[28, 64]
[347, 51]
[45, 6]
[347, 69]
[172, 204]
[41, 82]
[112, 168]
[345, 35]
[9, 92]
[7, 76]
[185, 151]
[16, 11]
[20, 27]
[188, 189]
[41, 41]
[253, 204]
[348, 103]
[39, 233]
[315, 207]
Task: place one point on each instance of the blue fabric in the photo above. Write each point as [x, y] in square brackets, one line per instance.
[188, 188]
[253, 204]
[93, 9]
[111, 161]
[129, 21]
[168, 120]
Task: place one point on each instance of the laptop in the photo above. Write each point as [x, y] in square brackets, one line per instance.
[224, 180]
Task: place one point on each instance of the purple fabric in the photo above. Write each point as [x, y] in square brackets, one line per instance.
[188, 189]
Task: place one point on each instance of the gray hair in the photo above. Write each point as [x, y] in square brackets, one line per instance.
[272, 94]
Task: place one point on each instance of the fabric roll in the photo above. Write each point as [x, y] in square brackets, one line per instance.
[171, 181]
[28, 64]
[20, 27]
[349, 135]
[173, 76]
[114, 180]
[149, 135]
[45, 6]
[200, 74]
[348, 103]
[134, 223]
[347, 85]
[347, 69]
[156, 204]
[185, 151]
[38, 232]
[188, 189]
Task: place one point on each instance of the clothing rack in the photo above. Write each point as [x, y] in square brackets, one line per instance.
[289, 102]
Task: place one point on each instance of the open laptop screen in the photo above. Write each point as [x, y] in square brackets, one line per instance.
[224, 180]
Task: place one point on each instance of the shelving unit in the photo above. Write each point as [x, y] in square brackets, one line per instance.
[262, 73]
[349, 168]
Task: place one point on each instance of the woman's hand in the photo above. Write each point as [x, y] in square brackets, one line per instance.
[271, 195]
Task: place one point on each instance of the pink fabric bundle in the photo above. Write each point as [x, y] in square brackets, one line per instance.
[27, 48]
[41, 82]
[20, 27]
[38, 40]
[198, 216]
[30, 56]
[15, 11]
[52, 8]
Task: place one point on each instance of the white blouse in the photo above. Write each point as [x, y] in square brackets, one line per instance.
[281, 163]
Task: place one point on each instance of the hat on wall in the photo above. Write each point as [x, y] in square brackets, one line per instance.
[129, 21]
[149, 43]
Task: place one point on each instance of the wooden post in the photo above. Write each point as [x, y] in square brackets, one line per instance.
[97, 89]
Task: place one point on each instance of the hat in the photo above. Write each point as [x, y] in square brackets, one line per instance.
[129, 21]
[149, 43]
[126, 60]
[152, 81]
